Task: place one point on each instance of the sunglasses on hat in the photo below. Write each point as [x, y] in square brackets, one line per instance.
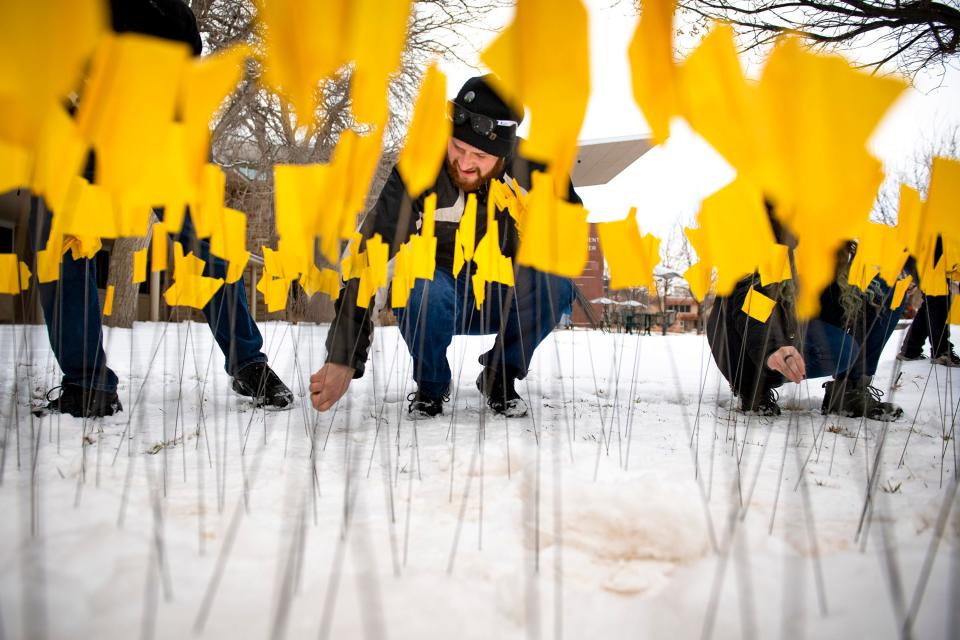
[481, 124]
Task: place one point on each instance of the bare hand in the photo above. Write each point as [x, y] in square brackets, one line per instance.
[789, 362]
[329, 384]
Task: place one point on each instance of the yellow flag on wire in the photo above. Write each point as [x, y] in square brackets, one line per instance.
[652, 70]
[758, 306]
[108, 301]
[14, 274]
[899, 291]
[553, 232]
[139, 266]
[426, 146]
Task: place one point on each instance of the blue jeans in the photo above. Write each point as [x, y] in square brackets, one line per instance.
[830, 351]
[521, 316]
[71, 310]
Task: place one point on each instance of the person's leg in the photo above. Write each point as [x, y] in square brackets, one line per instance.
[879, 322]
[828, 350]
[522, 316]
[71, 311]
[751, 383]
[938, 308]
[917, 333]
[227, 313]
[851, 393]
[427, 325]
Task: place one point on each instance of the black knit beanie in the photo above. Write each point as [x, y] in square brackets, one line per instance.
[478, 96]
[168, 19]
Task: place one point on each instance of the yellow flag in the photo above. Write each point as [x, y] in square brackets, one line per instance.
[376, 32]
[326, 281]
[467, 230]
[129, 98]
[776, 267]
[717, 101]
[378, 254]
[14, 275]
[939, 216]
[908, 217]
[108, 301]
[698, 276]
[954, 317]
[899, 291]
[458, 258]
[275, 291]
[628, 254]
[304, 43]
[735, 217]
[423, 246]
[192, 291]
[554, 232]
[49, 260]
[139, 266]
[556, 88]
[158, 255]
[403, 279]
[652, 69]
[82, 247]
[207, 209]
[190, 288]
[206, 83]
[818, 112]
[88, 211]
[933, 276]
[60, 155]
[34, 78]
[426, 146]
[758, 306]
[15, 165]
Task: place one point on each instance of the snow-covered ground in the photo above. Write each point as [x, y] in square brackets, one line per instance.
[631, 503]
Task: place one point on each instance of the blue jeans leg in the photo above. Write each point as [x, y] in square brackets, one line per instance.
[427, 326]
[71, 311]
[522, 317]
[227, 313]
[828, 350]
[831, 351]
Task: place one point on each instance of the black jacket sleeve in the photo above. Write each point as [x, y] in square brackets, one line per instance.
[348, 341]
[761, 338]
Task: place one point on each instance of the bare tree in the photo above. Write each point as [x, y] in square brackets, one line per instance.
[913, 34]
[677, 255]
[945, 143]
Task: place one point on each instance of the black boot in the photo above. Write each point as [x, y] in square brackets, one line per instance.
[82, 403]
[423, 406]
[856, 399]
[764, 403]
[501, 394]
[258, 381]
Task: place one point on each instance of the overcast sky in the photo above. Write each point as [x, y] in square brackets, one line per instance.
[669, 182]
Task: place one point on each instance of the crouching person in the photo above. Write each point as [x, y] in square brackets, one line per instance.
[844, 341]
[482, 149]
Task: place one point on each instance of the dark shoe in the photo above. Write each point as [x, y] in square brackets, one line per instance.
[947, 359]
[905, 357]
[82, 403]
[765, 404]
[258, 381]
[856, 399]
[500, 393]
[423, 406]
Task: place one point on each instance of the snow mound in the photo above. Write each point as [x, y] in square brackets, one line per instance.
[643, 519]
